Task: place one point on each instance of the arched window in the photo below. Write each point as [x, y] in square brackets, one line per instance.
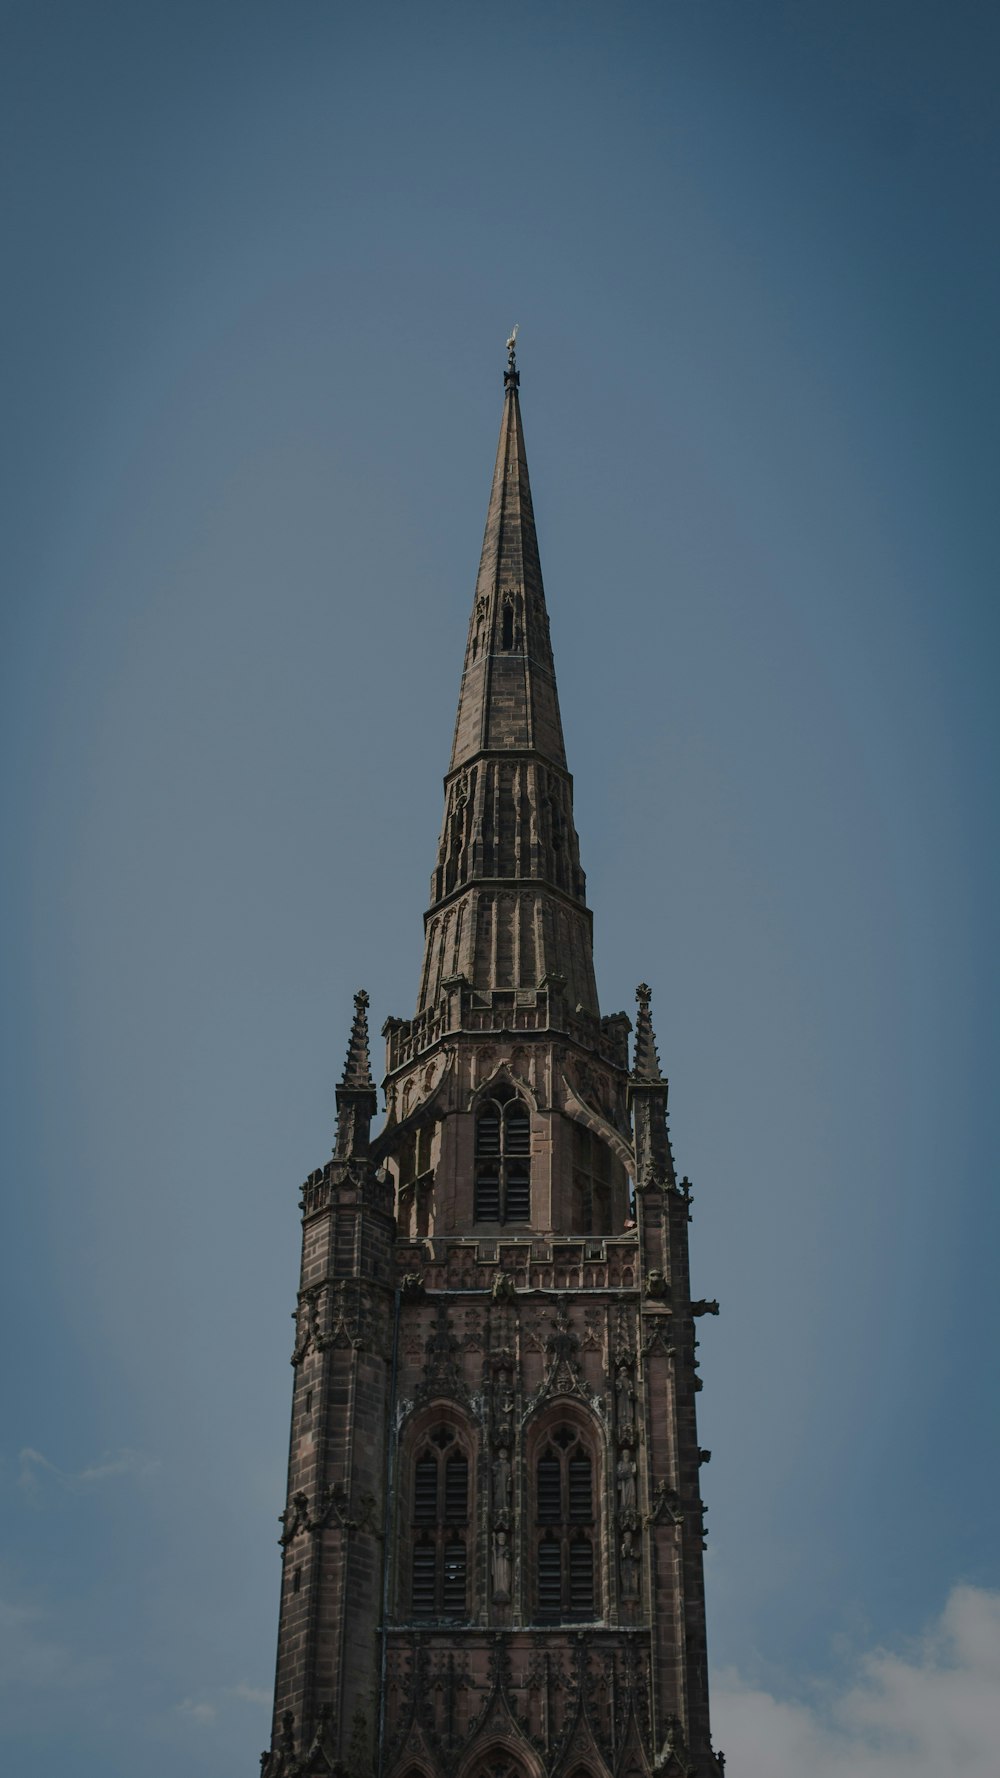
[440, 1514]
[564, 1515]
[503, 1159]
[592, 1163]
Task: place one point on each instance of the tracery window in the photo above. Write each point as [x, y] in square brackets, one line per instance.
[440, 1515]
[564, 1514]
[415, 1180]
[592, 1182]
[503, 1159]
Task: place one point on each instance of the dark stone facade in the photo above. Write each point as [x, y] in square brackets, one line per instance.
[492, 1541]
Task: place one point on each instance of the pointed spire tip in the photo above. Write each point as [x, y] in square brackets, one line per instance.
[511, 376]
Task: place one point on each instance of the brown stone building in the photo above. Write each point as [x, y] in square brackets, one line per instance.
[492, 1542]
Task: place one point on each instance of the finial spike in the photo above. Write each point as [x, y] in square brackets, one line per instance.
[646, 1065]
[357, 1098]
[511, 378]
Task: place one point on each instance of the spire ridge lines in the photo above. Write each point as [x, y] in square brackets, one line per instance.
[508, 895]
[357, 1066]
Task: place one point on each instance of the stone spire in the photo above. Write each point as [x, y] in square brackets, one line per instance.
[357, 1099]
[508, 901]
[647, 1090]
[646, 1066]
[508, 698]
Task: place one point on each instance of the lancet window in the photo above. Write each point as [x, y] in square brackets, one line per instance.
[592, 1165]
[503, 1160]
[565, 1521]
[440, 1501]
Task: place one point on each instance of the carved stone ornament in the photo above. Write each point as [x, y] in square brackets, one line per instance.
[333, 1509]
[626, 1478]
[294, 1519]
[441, 1369]
[503, 1480]
[563, 1347]
[624, 1394]
[666, 1502]
[628, 1557]
[674, 1756]
[320, 1757]
[501, 1567]
[412, 1288]
[306, 1318]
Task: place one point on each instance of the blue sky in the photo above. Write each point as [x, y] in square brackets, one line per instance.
[260, 265]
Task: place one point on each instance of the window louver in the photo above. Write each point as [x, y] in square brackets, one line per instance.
[581, 1578]
[456, 1490]
[423, 1579]
[518, 1192]
[425, 1491]
[549, 1490]
[488, 1135]
[454, 1579]
[549, 1579]
[488, 1194]
[518, 1130]
[503, 1162]
[580, 1500]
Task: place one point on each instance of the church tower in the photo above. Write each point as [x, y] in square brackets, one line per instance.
[492, 1540]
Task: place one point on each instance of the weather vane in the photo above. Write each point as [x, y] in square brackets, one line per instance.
[512, 345]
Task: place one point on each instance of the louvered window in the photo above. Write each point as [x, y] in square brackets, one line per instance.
[517, 1129]
[453, 1598]
[581, 1578]
[549, 1491]
[440, 1504]
[425, 1487]
[488, 1193]
[518, 1191]
[456, 1489]
[503, 1161]
[488, 1132]
[564, 1504]
[424, 1579]
[550, 1578]
[580, 1504]
[592, 1182]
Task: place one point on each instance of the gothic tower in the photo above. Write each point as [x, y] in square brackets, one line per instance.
[492, 1541]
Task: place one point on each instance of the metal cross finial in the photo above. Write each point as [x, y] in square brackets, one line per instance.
[512, 346]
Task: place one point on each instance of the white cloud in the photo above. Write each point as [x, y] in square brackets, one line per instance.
[931, 1710]
[199, 1710]
[205, 1708]
[35, 1465]
[251, 1694]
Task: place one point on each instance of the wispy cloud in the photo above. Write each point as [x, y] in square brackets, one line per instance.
[198, 1709]
[35, 1465]
[931, 1709]
[251, 1694]
[206, 1707]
